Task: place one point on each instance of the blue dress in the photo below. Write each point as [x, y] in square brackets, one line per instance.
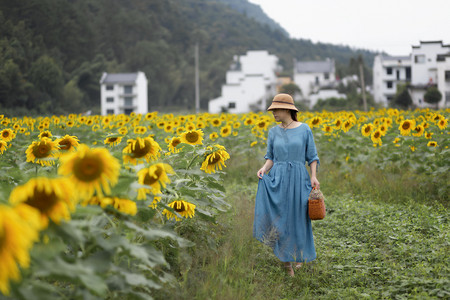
[281, 209]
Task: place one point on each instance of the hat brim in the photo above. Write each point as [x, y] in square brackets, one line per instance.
[277, 105]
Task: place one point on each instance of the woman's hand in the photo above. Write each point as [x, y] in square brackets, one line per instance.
[315, 182]
[261, 172]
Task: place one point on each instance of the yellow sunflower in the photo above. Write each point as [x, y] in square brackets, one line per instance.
[213, 136]
[428, 135]
[155, 177]
[225, 131]
[248, 122]
[113, 141]
[155, 202]
[185, 209]
[327, 128]
[3, 146]
[174, 142]
[442, 123]
[193, 137]
[376, 137]
[432, 144]
[347, 125]
[125, 206]
[418, 130]
[141, 149]
[42, 152]
[216, 122]
[406, 126]
[7, 135]
[45, 133]
[91, 170]
[16, 240]
[140, 130]
[123, 130]
[180, 130]
[366, 130]
[215, 158]
[67, 143]
[53, 198]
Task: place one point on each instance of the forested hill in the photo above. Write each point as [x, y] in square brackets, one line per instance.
[53, 52]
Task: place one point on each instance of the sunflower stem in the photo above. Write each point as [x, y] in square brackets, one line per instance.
[192, 161]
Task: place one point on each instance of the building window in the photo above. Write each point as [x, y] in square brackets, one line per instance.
[317, 80]
[389, 71]
[419, 59]
[128, 111]
[128, 101]
[128, 89]
[447, 97]
[109, 99]
[232, 105]
[408, 73]
[110, 111]
[398, 74]
[109, 87]
[389, 84]
[326, 76]
[447, 75]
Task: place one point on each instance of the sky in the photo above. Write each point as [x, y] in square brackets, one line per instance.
[392, 26]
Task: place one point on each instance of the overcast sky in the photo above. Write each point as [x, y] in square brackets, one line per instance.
[392, 26]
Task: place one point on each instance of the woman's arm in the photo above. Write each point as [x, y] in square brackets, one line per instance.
[267, 166]
[314, 181]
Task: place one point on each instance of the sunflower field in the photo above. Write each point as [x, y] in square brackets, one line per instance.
[99, 207]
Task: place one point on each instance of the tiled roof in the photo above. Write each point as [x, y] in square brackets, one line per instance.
[326, 66]
[120, 78]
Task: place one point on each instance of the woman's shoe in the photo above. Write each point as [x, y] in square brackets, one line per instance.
[289, 269]
[298, 266]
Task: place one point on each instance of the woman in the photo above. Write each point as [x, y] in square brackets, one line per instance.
[281, 209]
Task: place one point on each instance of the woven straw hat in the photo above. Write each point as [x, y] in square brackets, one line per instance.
[282, 101]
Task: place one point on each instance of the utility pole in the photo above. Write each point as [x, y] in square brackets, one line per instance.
[363, 87]
[197, 82]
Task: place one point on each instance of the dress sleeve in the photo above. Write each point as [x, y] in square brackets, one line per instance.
[269, 153]
[311, 151]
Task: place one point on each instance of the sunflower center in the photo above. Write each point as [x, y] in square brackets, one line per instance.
[149, 179]
[42, 201]
[367, 129]
[5, 134]
[192, 137]
[175, 142]
[406, 125]
[88, 168]
[112, 140]
[65, 145]
[262, 125]
[315, 121]
[214, 159]
[180, 208]
[377, 134]
[139, 151]
[41, 150]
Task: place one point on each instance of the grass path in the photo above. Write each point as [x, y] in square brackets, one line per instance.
[364, 249]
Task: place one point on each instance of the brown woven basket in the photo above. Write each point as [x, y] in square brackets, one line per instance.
[316, 205]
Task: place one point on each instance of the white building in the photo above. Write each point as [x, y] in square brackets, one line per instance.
[250, 81]
[123, 93]
[388, 73]
[311, 76]
[429, 66]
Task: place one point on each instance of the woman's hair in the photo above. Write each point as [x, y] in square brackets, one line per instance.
[293, 115]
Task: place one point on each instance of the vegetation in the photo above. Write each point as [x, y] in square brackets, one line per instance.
[432, 95]
[52, 53]
[402, 98]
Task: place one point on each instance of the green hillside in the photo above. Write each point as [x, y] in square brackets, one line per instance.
[52, 52]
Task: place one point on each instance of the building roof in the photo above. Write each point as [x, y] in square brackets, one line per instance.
[326, 66]
[389, 57]
[119, 78]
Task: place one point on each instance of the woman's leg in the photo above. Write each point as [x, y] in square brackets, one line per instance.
[289, 269]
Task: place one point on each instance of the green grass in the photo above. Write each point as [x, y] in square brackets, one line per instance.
[374, 244]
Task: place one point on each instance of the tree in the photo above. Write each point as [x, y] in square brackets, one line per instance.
[290, 88]
[432, 95]
[402, 98]
[46, 76]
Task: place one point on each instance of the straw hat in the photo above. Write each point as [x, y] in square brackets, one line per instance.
[282, 101]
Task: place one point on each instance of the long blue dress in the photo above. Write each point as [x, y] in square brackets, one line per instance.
[281, 209]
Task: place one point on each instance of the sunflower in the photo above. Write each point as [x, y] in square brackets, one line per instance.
[262, 125]
[406, 126]
[216, 122]
[91, 170]
[337, 124]
[366, 130]
[16, 240]
[376, 137]
[327, 128]
[428, 135]
[125, 206]
[140, 130]
[42, 152]
[213, 136]
[315, 121]
[123, 130]
[189, 126]
[67, 143]
[155, 201]
[141, 149]
[113, 141]
[418, 130]
[7, 135]
[185, 209]
[154, 176]
[225, 131]
[173, 143]
[432, 144]
[248, 121]
[214, 159]
[253, 143]
[347, 125]
[3, 146]
[169, 128]
[53, 198]
[442, 123]
[180, 130]
[200, 125]
[193, 137]
[45, 133]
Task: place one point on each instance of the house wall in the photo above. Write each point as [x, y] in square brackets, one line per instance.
[443, 83]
